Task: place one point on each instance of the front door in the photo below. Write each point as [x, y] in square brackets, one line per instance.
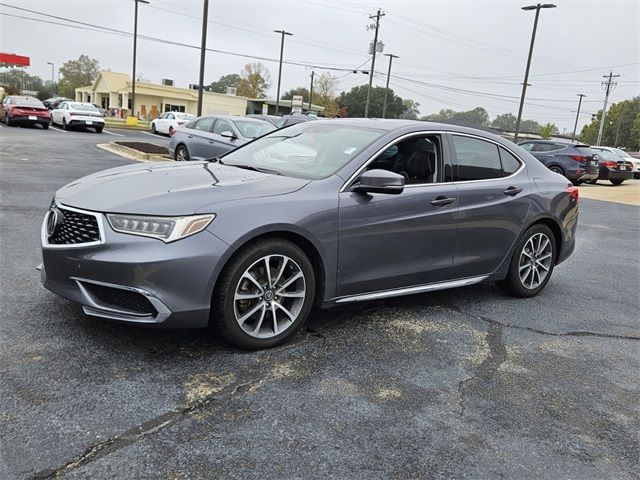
[393, 241]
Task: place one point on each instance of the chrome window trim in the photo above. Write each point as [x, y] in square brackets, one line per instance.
[43, 230]
[498, 144]
[349, 183]
[97, 309]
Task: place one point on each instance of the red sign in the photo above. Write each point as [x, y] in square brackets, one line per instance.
[11, 60]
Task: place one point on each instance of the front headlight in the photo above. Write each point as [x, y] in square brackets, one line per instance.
[167, 229]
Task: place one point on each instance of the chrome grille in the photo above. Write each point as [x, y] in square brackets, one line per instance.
[76, 227]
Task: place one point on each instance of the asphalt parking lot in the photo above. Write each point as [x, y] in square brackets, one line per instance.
[466, 383]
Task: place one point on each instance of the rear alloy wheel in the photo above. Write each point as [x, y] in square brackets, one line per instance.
[264, 295]
[532, 263]
[182, 154]
[617, 181]
[557, 169]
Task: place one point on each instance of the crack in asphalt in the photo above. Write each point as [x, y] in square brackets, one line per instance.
[578, 333]
[102, 449]
[489, 366]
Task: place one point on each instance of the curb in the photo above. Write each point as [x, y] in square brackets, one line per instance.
[132, 154]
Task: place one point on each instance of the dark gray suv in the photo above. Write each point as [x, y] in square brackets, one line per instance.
[577, 162]
[320, 213]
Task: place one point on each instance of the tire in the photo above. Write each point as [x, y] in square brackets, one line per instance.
[99, 129]
[153, 129]
[64, 124]
[233, 319]
[182, 154]
[557, 169]
[636, 176]
[577, 182]
[7, 121]
[617, 181]
[45, 126]
[594, 181]
[514, 284]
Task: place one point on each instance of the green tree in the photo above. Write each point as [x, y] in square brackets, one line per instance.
[17, 80]
[355, 99]
[618, 126]
[634, 137]
[548, 130]
[254, 81]
[220, 86]
[411, 110]
[77, 73]
[289, 94]
[506, 121]
[477, 117]
[529, 126]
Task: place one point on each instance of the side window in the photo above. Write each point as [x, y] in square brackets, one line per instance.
[527, 146]
[477, 159]
[510, 164]
[170, 116]
[204, 124]
[546, 147]
[417, 159]
[222, 126]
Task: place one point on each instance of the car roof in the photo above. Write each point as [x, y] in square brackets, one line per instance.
[566, 143]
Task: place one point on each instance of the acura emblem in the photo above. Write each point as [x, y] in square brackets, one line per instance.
[55, 219]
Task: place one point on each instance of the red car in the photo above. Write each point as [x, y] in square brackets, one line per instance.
[16, 109]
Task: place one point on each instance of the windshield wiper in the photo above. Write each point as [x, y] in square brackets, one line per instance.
[255, 169]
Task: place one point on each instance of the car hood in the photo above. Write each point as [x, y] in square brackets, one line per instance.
[171, 190]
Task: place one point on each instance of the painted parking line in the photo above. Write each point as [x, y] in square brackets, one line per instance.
[111, 133]
[57, 129]
[148, 133]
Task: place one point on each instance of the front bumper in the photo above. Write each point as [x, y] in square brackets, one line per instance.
[176, 279]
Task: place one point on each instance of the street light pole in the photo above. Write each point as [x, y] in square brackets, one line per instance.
[526, 73]
[283, 33]
[52, 69]
[203, 51]
[135, 46]
[573, 137]
[386, 90]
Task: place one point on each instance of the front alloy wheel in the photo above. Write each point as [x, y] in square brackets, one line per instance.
[264, 294]
[182, 154]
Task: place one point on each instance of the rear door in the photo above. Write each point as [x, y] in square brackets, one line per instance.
[394, 241]
[494, 197]
[198, 138]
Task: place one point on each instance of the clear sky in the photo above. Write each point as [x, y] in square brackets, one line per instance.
[449, 50]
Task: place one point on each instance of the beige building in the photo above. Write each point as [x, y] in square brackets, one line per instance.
[113, 90]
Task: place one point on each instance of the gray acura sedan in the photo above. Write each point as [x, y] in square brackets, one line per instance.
[319, 214]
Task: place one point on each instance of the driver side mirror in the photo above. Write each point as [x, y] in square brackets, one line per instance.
[380, 181]
[228, 134]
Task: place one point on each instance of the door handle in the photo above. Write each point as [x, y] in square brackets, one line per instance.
[442, 201]
[512, 191]
[190, 136]
[211, 141]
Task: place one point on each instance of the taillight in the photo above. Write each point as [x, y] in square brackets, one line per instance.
[610, 164]
[579, 158]
[573, 192]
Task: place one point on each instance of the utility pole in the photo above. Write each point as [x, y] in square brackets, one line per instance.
[283, 33]
[311, 90]
[52, 68]
[135, 46]
[526, 72]
[608, 84]
[386, 90]
[615, 143]
[573, 137]
[203, 51]
[377, 16]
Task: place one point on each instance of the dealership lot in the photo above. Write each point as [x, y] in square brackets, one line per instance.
[466, 382]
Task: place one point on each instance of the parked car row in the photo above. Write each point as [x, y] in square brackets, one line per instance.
[583, 163]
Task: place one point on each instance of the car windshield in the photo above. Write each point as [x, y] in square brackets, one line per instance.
[306, 150]
[27, 102]
[254, 129]
[83, 106]
[183, 116]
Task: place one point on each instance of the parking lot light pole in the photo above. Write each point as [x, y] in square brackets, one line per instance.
[283, 33]
[537, 8]
[52, 69]
[203, 51]
[135, 46]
